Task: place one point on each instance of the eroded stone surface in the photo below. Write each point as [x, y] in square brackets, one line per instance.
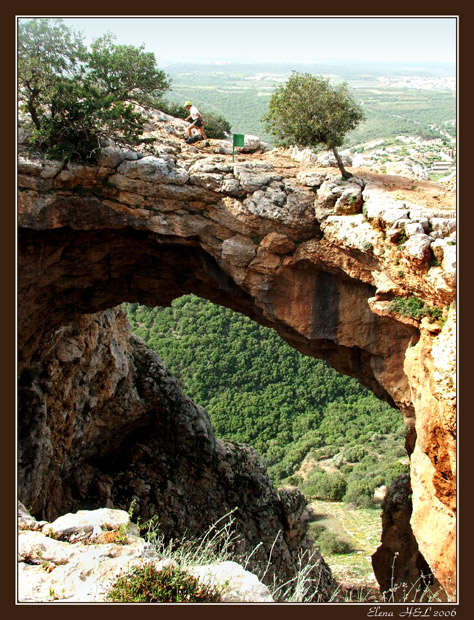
[95, 548]
[271, 241]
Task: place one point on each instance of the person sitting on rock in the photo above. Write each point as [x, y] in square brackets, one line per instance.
[197, 123]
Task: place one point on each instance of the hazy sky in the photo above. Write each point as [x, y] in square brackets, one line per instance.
[406, 39]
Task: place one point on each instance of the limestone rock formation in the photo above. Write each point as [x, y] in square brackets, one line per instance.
[104, 424]
[291, 246]
[78, 557]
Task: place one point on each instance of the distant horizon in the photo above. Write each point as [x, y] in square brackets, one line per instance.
[307, 39]
[253, 61]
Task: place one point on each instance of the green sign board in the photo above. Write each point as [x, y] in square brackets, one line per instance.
[238, 139]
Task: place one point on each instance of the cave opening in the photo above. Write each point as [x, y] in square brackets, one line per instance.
[313, 428]
[69, 278]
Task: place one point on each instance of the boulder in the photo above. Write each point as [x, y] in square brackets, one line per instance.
[418, 246]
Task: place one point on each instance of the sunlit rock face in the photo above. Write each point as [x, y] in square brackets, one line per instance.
[292, 247]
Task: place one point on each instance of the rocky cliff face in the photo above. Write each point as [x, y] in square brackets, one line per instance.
[292, 247]
[103, 424]
[401, 570]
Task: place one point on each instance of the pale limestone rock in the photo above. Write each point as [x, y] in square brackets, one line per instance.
[409, 226]
[112, 156]
[420, 214]
[445, 226]
[154, 169]
[446, 252]
[328, 160]
[412, 171]
[311, 178]
[213, 164]
[329, 192]
[350, 200]
[418, 246]
[239, 585]
[231, 187]
[51, 169]
[255, 175]
[30, 167]
[85, 521]
[303, 155]
[384, 213]
[251, 143]
[26, 521]
[351, 230]
[414, 228]
[208, 180]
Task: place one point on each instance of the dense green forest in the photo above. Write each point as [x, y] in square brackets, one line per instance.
[240, 93]
[259, 391]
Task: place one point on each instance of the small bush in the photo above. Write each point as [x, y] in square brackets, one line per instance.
[402, 237]
[354, 454]
[146, 584]
[173, 109]
[359, 493]
[326, 486]
[414, 308]
[215, 125]
[328, 542]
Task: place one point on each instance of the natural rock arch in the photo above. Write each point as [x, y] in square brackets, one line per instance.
[291, 251]
[84, 272]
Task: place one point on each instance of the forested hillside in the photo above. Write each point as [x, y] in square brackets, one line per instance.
[397, 99]
[259, 391]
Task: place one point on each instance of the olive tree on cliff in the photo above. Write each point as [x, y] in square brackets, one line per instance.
[78, 99]
[308, 111]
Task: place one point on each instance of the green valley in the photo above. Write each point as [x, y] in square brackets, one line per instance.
[292, 409]
[398, 99]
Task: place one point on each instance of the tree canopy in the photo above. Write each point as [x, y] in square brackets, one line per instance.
[78, 99]
[308, 111]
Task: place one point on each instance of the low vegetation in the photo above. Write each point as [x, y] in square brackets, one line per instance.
[415, 308]
[147, 584]
[346, 537]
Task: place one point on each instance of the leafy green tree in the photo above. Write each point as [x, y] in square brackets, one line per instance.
[126, 72]
[326, 486]
[355, 453]
[308, 111]
[47, 52]
[79, 100]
